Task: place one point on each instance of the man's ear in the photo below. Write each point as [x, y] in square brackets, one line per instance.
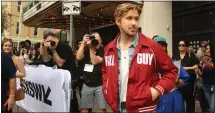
[117, 21]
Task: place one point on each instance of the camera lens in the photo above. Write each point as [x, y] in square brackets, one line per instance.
[52, 43]
[94, 42]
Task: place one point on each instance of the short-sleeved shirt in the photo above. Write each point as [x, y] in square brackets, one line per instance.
[93, 78]
[188, 61]
[8, 71]
[65, 52]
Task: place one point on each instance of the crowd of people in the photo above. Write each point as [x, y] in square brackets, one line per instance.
[133, 73]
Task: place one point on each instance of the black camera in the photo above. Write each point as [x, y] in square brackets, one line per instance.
[94, 42]
[52, 43]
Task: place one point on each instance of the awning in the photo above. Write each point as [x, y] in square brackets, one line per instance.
[93, 15]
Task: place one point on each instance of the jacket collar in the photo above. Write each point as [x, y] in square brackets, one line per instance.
[143, 40]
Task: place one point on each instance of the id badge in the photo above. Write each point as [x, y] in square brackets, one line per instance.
[88, 68]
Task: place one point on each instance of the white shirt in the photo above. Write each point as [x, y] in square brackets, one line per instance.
[123, 75]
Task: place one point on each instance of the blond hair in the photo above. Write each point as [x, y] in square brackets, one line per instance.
[124, 8]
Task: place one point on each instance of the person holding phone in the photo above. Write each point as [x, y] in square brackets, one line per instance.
[207, 74]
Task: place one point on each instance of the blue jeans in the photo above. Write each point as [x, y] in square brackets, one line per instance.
[209, 94]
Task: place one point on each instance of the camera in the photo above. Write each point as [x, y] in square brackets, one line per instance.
[94, 42]
[52, 43]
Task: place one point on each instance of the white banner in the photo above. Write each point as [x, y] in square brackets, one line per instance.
[46, 90]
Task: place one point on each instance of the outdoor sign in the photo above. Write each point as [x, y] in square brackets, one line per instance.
[71, 7]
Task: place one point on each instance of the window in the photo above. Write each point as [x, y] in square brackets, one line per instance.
[38, 6]
[18, 8]
[35, 2]
[19, 2]
[31, 5]
[35, 31]
[17, 28]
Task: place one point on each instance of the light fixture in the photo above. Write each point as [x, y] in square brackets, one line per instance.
[85, 17]
[93, 19]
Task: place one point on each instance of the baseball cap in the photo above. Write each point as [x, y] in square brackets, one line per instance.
[161, 40]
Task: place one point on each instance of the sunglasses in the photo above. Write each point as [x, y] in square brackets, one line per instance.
[181, 45]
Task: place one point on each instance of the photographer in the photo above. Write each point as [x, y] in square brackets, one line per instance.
[90, 56]
[60, 54]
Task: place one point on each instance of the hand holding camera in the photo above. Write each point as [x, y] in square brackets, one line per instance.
[85, 39]
[50, 44]
[90, 40]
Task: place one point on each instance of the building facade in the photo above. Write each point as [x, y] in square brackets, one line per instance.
[16, 29]
[177, 20]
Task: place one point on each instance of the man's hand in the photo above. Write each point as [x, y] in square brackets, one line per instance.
[89, 44]
[47, 44]
[155, 93]
[10, 102]
[42, 42]
[85, 39]
[186, 68]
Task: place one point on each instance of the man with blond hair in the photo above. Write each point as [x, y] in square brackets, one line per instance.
[131, 65]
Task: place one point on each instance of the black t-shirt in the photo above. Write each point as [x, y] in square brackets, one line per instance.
[188, 61]
[8, 70]
[94, 78]
[65, 52]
